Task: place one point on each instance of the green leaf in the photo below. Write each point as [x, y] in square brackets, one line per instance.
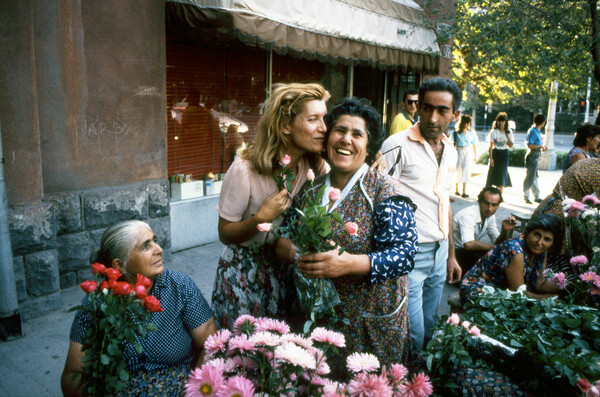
[138, 348]
[124, 375]
[104, 359]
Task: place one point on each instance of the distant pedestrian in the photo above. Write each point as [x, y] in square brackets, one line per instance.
[532, 159]
[408, 115]
[501, 139]
[585, 145]
[465, 142]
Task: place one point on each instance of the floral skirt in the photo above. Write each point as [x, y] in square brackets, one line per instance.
[250, 281]
[161, 382]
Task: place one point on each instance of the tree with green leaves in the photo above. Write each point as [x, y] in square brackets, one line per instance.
[507, 48]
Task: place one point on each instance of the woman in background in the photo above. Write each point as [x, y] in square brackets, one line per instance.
[586, 141]
[516, 262]
[501, 139]
[465, 141]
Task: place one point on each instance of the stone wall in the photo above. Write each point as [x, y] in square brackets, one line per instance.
[53, 238]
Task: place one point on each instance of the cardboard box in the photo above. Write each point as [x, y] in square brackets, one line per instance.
[187, 190]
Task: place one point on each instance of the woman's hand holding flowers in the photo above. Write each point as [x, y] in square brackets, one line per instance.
[332, 264]
[273, 206]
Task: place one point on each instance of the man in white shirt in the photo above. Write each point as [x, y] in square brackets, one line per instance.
[475, 228]
[424, 161]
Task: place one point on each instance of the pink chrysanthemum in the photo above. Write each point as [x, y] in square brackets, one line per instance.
[419, 387]
[475, 331]
[369, 385]
[205, 381]
[578, 260]
[590, 199]
[297, 339]
[560, 280]
[245, 363]
[588, 276]
[237, 386]
[265, 338]
[295, 355]
[578, 206]
[217, 342]
[325, 335]
[358, 362]
[244, 324]
[333, 388]
[223, 365]
[398, 372]
[466, 324]
[240, 344]
[269, 324]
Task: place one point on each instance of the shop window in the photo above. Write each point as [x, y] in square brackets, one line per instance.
[214, 95]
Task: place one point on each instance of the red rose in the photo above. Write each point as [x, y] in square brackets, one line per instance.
[113, 274]
[143, 280]
[152, 304]
[104, 285]
[583, 385]
[140, 291]
[88, 286]
[123, 288]
[98, 268]
[112, 284]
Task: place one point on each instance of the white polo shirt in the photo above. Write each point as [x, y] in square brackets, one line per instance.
[468, 226]
[425, 182]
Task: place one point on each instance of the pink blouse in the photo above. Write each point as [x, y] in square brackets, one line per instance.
[244, 190]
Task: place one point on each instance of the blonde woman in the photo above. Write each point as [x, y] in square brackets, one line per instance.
[249, 279]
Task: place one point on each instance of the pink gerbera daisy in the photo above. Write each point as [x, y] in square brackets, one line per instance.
[359, 362]
[295, 355]
[369, 385]
[297, 339]
[240, 344]
[590, 199]
[265, 338]
[223, 365]
[205, 381]
[245, 324]
[419, 387]
[588, 276]
[237, 386]
[398, 372]
[269, 324]
[217, 342]
[560, 280]
[325, 335]
[578, 260]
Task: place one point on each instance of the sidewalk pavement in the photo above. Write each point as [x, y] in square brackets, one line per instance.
[33, 364]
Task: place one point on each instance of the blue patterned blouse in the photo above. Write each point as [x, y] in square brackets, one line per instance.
[491, 268]
[185, 309]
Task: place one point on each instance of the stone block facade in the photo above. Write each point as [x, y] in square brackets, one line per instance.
[52, 239]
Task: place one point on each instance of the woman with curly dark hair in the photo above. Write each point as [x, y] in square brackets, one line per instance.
[501, 139]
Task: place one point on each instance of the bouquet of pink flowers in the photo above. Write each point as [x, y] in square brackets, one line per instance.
[262, 358]
[582, 221]
[118, 313]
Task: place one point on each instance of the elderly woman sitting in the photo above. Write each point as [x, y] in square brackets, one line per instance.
[370, 276]
[183, 326]
[517, 262]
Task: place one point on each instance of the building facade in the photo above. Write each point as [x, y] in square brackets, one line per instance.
[104, 104]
